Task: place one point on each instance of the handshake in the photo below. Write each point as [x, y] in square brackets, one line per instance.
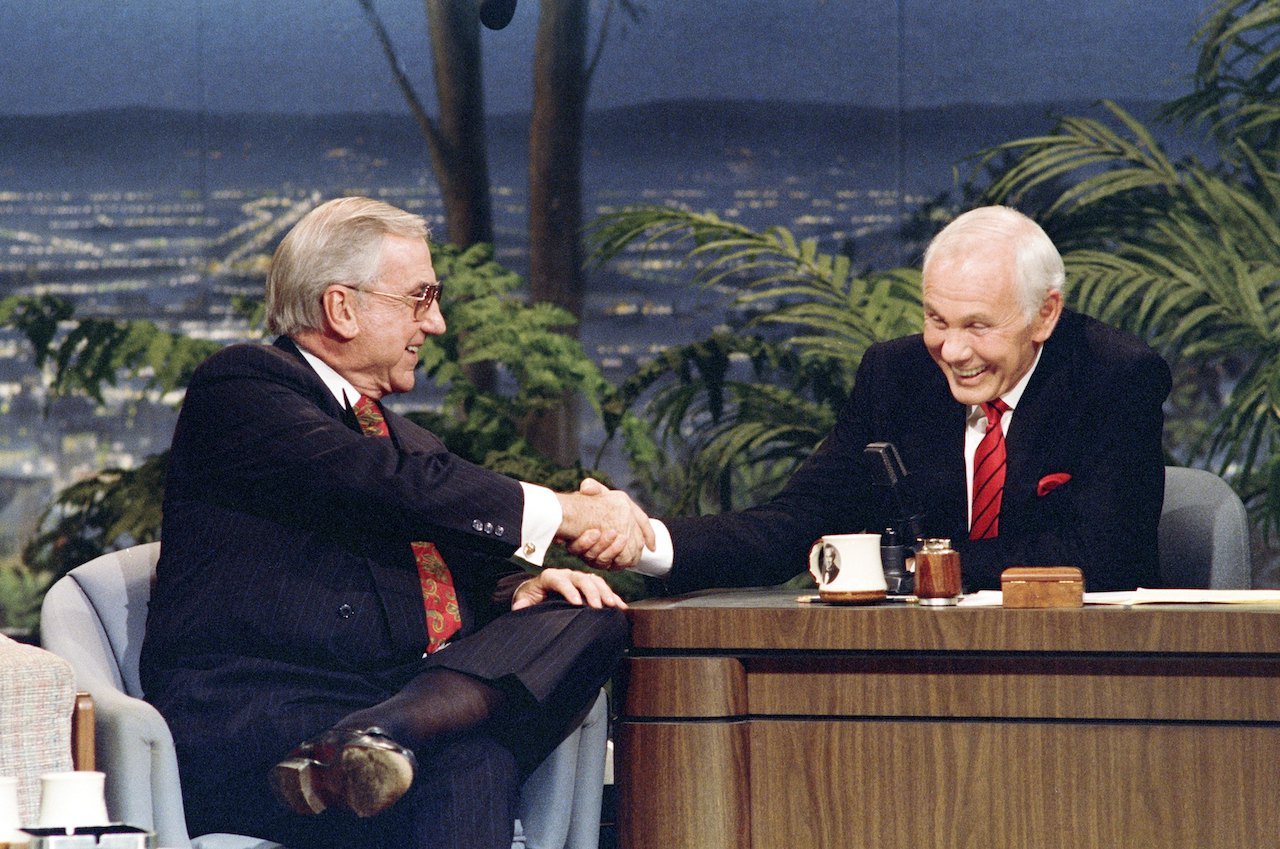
[607, 530]
[604, 526]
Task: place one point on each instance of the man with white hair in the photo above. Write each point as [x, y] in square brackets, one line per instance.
[326, 621]
[1032, 434]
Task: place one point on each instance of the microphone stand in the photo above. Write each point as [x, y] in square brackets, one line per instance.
[900, 541]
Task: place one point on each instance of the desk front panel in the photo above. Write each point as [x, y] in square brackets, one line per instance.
[825, 728]
[1015, 686]
[1001, 785]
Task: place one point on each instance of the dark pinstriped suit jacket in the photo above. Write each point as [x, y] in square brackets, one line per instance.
[1092, 409]
[286, 595]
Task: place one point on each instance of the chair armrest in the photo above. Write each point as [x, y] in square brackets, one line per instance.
[135, 749]
[560, 801]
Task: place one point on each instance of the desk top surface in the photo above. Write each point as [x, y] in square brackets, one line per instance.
[774, 620]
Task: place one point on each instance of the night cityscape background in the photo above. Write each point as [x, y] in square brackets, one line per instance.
[151, 150]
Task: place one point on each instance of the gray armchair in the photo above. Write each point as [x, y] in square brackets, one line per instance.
[95, 618]
[1204, 533]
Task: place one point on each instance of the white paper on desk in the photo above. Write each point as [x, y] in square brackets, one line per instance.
[982, 598]
[1150, 596]
[995, 598]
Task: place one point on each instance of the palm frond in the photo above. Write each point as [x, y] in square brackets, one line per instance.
[1236, 76]
[1105, 162]
[792, 284]
[809, 317]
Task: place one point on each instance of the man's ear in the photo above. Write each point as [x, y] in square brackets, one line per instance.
[340, 314]
[1047, 316]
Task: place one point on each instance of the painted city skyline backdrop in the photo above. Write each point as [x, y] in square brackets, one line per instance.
[153, 151]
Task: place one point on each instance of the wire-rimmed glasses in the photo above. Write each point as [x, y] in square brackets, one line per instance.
[420, 302]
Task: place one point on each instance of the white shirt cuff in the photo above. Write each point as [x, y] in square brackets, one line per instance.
[657, 563]
[542, 518]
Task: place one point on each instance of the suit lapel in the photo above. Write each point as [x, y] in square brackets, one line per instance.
[932, 438]
[1037, 424]
[318, 390]
[410, 438]
[952, 484]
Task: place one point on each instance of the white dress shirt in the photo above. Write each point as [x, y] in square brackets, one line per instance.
[975, 426]
[542, 514]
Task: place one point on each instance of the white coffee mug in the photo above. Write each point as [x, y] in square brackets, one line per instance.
[10, 819]
[847, 567]
[72, 799]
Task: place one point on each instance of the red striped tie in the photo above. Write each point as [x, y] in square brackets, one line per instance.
[988, 474]
[439, 598]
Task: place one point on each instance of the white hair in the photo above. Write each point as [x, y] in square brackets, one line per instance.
[1037, 263]
[339, 241]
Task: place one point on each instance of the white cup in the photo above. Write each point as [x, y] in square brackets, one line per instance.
[847, 567]
[72, 799]
[10, 819]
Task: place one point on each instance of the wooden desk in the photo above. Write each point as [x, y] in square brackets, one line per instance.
[750, 720]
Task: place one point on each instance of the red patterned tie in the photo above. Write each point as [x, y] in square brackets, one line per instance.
[988, 474]
[439, 598]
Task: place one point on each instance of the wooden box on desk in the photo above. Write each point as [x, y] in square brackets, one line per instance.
[1042, 586]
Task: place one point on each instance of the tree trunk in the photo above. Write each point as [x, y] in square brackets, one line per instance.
[560, 84]
[459, 155]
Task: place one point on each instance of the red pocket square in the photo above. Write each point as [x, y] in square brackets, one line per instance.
[1049, 483]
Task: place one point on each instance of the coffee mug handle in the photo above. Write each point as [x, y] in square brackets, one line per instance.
[815, 560]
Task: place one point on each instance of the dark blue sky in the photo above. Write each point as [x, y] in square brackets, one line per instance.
[319, 55]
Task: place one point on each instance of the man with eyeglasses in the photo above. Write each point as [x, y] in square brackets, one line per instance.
[326, 626]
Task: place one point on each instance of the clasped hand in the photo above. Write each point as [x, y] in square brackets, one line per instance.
[604, 526]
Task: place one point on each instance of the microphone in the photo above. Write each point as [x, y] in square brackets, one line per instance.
[496, 14]
[888, 471]
[898, 541]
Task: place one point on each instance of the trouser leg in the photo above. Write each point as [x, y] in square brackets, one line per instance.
[437, 702]
[484, 712]
[465, 796]
[533, 728]
[526, 677]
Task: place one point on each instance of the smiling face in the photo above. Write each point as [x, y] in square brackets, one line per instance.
[384, 352]
[976, 327]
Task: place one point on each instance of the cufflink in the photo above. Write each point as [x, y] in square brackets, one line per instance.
[530, 548]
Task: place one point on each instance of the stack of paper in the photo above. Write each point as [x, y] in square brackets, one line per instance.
[993, 598]
[1147, 596]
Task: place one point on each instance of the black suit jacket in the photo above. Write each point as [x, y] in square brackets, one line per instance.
[286, 595]
[1092, 410]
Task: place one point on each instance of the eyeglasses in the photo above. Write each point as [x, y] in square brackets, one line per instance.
[420, 302]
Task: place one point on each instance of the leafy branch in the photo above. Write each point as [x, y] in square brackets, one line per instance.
[738, 411]
[89, 354]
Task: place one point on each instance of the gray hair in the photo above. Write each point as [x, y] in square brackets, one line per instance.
[1037, 263]
[340, 241]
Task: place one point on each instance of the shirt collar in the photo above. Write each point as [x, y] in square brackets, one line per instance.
[1010, 398]
[342, 390]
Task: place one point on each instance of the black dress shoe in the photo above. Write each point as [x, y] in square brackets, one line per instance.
[352, 769]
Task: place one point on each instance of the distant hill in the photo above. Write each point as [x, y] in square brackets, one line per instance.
[725, 123]
[796, 134]
[149, 148]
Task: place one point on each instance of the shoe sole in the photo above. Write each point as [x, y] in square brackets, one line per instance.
[373, 779]
[365, 781]
[294, 782]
